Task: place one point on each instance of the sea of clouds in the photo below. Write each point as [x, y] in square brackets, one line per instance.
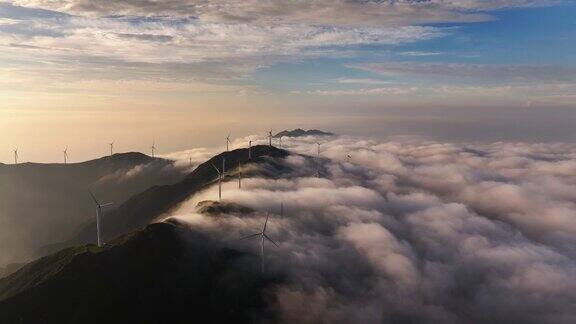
[411, 231]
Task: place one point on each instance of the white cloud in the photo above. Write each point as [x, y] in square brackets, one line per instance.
[176, 48]
[194, 42]
[353, 12]
[212, 44]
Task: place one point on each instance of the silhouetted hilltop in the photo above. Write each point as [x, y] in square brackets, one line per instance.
[300, 132]
[211, 207]
[164, 273]
[10, 268]
[142, 209]
[52, 200]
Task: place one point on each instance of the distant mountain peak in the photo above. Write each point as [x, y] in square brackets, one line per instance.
[298, 132]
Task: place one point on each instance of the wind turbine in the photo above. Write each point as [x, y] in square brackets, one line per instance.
[98, 214]
[280, 141]
[153, 147]
[228, 142]
[219, 182]
[249, 149]
[263, 236]
[16, 156]
[66, 155]
[190, 158]
[111, 148]
[270, 138]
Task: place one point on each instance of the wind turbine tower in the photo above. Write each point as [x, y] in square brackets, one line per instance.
[219, 182]
[270, 138]
[66, 155]
[153, 147]
[239, 175]
[263, 237]
[250, 150]
[16, 156]
[111, 148]
[98, 215]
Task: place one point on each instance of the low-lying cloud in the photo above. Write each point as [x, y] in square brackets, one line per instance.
[413, 231]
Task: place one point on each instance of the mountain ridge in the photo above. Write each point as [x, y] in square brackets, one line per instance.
[143, 208]
[135, 156]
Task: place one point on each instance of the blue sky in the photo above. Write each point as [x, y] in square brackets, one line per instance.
[527, 36]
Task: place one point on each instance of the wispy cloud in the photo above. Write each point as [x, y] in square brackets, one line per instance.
[420, 53]
[173, 47]
[366, 91]
[361, 81]
[354, 12]
[504, 72]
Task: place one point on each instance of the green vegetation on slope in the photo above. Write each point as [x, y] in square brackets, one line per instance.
[163, 273]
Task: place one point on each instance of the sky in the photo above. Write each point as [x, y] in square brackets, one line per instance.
[185, 73]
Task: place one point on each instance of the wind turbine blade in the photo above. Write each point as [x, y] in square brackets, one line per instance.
[269, 239]
[266, 222]
[249, 236]
[94, 198]
[107, 204]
